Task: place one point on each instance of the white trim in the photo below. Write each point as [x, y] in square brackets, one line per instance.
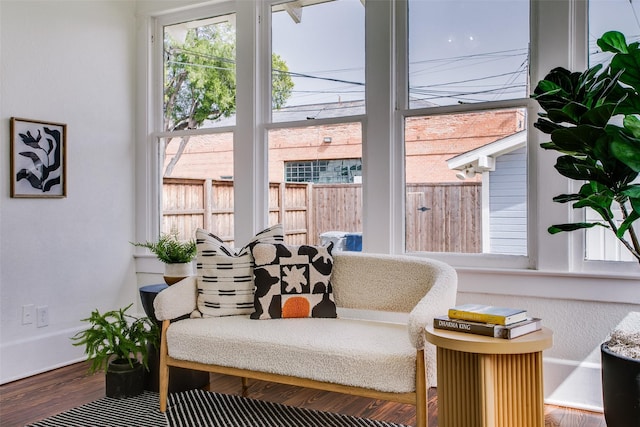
[550, 284]
[572, 384]
[485, 195]
[491, 150]
[549, 49]
[26, 358]
[398, 235]
[507, 104]
[380, 179]
[193, 132]
[316, 122]
[250, 190]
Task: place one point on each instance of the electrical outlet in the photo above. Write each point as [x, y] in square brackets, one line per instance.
[42, 316]
[28, 311]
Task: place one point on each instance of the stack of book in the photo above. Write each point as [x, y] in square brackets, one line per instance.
[488, 320]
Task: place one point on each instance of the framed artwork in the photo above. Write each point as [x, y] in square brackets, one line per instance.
[38, 158]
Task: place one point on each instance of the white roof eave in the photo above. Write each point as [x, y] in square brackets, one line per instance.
[493, 149]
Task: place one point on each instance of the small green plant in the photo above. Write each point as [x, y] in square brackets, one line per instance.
[170, 250]
[118, 335]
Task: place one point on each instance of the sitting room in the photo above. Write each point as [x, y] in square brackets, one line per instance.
[428, 154]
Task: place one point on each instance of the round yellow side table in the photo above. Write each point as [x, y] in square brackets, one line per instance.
[489, 382]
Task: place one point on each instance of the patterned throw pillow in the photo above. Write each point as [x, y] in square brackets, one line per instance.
[225, 276]
[292, 281]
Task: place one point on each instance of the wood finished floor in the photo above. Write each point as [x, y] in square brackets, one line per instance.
[32, 399]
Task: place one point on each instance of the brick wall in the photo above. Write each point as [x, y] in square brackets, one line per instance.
[430, 142]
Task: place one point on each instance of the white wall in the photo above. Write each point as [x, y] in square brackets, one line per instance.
[71, 62]
[581, 309]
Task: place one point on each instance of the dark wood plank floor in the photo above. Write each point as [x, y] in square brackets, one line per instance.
[44, 395]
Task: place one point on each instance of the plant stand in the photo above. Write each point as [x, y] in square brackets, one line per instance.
[181, 378]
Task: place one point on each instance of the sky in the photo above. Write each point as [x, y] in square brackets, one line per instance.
[454, 56]
[327, 43]
[459, 51]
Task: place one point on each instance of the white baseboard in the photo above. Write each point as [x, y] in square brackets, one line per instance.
[24, 358]
[573, 384]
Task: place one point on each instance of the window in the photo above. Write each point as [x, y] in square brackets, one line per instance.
[327, 171]
[466, 172]
[315, 196]
[196, 155]
[439, 155]
[197, 185]
[318, 87]
[608, 15]
[199, 73]
[619, 15]
[464, 52]
[318, 59]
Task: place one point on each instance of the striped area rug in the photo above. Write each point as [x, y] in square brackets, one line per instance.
[202, 408]
[138, 411]
[197, 408]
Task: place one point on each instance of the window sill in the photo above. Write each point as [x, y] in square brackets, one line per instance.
[585, 286]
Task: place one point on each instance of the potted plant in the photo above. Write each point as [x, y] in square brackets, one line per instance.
[118, 343]
[593, 120]
[175, 254]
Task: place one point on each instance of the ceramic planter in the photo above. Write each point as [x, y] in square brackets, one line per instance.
[620, 389]
[173, 273]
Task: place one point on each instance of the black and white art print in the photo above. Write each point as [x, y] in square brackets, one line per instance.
[38, 158]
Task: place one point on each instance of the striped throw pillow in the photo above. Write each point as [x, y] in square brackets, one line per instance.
[225, 276]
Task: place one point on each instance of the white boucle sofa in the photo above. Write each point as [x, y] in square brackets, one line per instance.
[375, 348]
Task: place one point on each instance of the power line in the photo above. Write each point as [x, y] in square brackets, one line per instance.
[475, 79]
[422, 90]
[472, 56]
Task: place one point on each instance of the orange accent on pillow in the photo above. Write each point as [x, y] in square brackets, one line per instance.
[296, 307]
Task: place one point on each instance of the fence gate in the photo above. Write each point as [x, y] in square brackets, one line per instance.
[443, 218]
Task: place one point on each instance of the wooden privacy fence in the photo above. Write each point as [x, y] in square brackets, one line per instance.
[444, 217]
[440, 217]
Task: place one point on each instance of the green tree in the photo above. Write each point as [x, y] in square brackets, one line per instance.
[200, 80]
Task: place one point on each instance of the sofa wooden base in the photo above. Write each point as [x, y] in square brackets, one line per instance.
[418, 398]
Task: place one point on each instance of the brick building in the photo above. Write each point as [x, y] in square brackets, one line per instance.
[430, 142]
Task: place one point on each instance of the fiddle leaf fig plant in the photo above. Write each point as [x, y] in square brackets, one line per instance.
[593, 120]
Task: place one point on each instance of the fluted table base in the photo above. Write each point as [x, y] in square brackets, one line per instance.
[485, 389]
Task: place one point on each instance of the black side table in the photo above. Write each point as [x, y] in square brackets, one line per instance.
[180, 379]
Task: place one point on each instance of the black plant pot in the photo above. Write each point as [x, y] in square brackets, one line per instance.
[620, 389]
[122, 380]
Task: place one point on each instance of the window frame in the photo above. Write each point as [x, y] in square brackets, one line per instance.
[482, 259]
[553, 43]
[403, 112]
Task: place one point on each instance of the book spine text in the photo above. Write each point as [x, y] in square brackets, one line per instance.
[452, 325]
